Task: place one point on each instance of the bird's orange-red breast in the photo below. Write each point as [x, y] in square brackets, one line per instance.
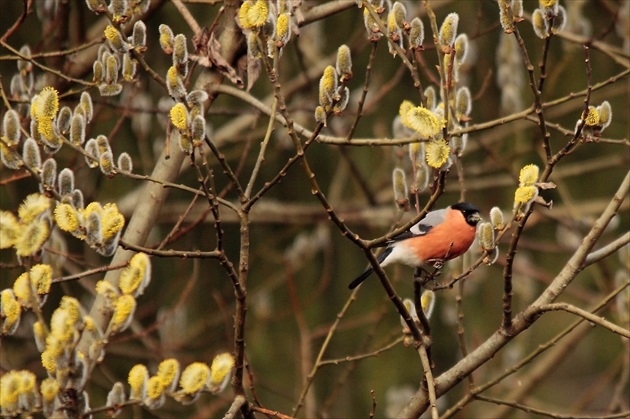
[441, 235]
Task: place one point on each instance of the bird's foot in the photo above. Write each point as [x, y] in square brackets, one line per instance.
[438, 264]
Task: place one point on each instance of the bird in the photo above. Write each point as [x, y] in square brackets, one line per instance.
[441, 235]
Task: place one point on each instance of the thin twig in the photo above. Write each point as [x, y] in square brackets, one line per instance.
[538, 107]
[188, 17]
[359, 357]
[263, 149]
[569, 308]
[607, 250]
[186, 254]
[45, 68]
[322, 350]
[366, 88]
[26, 9]
[428, 376]
[530, 410]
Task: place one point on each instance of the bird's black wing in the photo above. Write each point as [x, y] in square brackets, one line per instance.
[419, 229]
[425, 225]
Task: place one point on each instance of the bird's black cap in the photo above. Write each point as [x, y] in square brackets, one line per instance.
[465, 207]
[469, 211]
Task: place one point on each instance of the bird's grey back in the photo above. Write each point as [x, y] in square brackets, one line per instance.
[432, 219]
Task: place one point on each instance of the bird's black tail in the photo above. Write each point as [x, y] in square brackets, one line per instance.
[361, 278]
[369, 270]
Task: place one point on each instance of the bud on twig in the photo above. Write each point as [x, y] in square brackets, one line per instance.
[344, 63]
[401, 193]
[416, 33]
[11, 127]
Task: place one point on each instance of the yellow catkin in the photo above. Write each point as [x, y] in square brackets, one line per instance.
[592, 118]
[137, 379]
[168, 372]
[179, 116]
[283, 28]
[547, 3]
[112, 221]
[528, 175]
[33, 206]
[221, 369]
[194, 377]
[9, 229]
[422, 120]
[41, 278]
[437, 152]
[66, 217]
[32, 237]
[155, 388]
[525, 194]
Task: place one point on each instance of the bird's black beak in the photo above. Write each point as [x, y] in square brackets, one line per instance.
[473, 219]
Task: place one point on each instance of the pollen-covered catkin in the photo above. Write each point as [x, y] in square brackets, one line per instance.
[343, 64]
[448, 31]
[327, 87]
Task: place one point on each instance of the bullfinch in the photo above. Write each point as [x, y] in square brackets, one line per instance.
[441, 235]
